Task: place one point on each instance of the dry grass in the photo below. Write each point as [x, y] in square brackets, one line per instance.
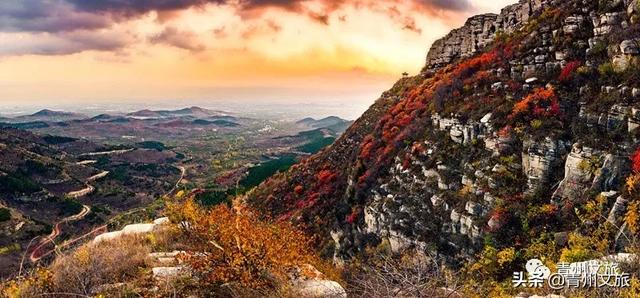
[402, 277]
[120, 264]
[94, 265]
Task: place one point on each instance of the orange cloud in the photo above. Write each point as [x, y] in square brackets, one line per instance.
[134, 49]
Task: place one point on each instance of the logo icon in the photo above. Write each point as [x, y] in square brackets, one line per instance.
[537, 270]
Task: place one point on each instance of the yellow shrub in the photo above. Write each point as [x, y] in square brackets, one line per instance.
[632, 182]
[631, 217]
[231, 245]
[506, 256]
[633, 290]
[582, 248]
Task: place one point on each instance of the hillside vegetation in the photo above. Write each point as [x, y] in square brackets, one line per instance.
[519, 140]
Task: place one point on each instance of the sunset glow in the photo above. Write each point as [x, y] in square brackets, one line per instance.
[66, 51]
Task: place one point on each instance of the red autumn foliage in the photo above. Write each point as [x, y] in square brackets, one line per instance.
[505, 132]
[325, 176]
[568, 71]
[499, 216]
[404, 120]
[418, 148]
[406, 162]
[635, 161]
[353, 217]
[482, 76]
[363, 179]
[365, 152]
[541, 102]
[514, 85]
[298, 189]
[308, 202]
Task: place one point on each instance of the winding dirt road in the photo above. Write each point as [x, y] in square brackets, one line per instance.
[183, 172]
[36, 253]
[106, 152]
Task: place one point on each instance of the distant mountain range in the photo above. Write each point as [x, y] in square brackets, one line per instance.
[196, 116]
[46, 115]
[324, 122]
[52, 115]
[192, 111]
[191, 116]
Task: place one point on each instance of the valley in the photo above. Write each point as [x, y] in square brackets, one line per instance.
[71, 176]
[503, 162]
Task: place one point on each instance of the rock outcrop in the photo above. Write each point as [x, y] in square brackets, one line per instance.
[133, 229]
[478, 32]
[530, 108]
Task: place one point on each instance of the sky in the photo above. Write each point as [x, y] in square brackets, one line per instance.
[83, 52]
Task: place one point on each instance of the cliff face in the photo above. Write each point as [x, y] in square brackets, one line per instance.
[518, 121]
[479, 31]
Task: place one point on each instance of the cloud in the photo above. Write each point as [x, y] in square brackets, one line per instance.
[62, 43]
[180, 39]
[136, 7]
[451, 5]
[410, 24]
[46, 16]
[55, 27]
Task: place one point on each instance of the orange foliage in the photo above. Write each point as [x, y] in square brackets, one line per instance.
[325, 176]
[505, 132]
[541, 102]
[402, 121]
[365, 152]
[418, 148]
[299, 189]
[231, 245]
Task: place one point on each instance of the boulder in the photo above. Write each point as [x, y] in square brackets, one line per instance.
[107, 236]
[577, 174]
[162, 221]
[618, 210]
[634, 7]
[624, 258]
[319, 289]
[539, 159]
[473, 208]
[617, 116]
[561, 238]
[487, 118]
[138, 228]
[621, 62]
[629, 47]
[462, 42]
[612, 173]
[172, 254]
[168, 272]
